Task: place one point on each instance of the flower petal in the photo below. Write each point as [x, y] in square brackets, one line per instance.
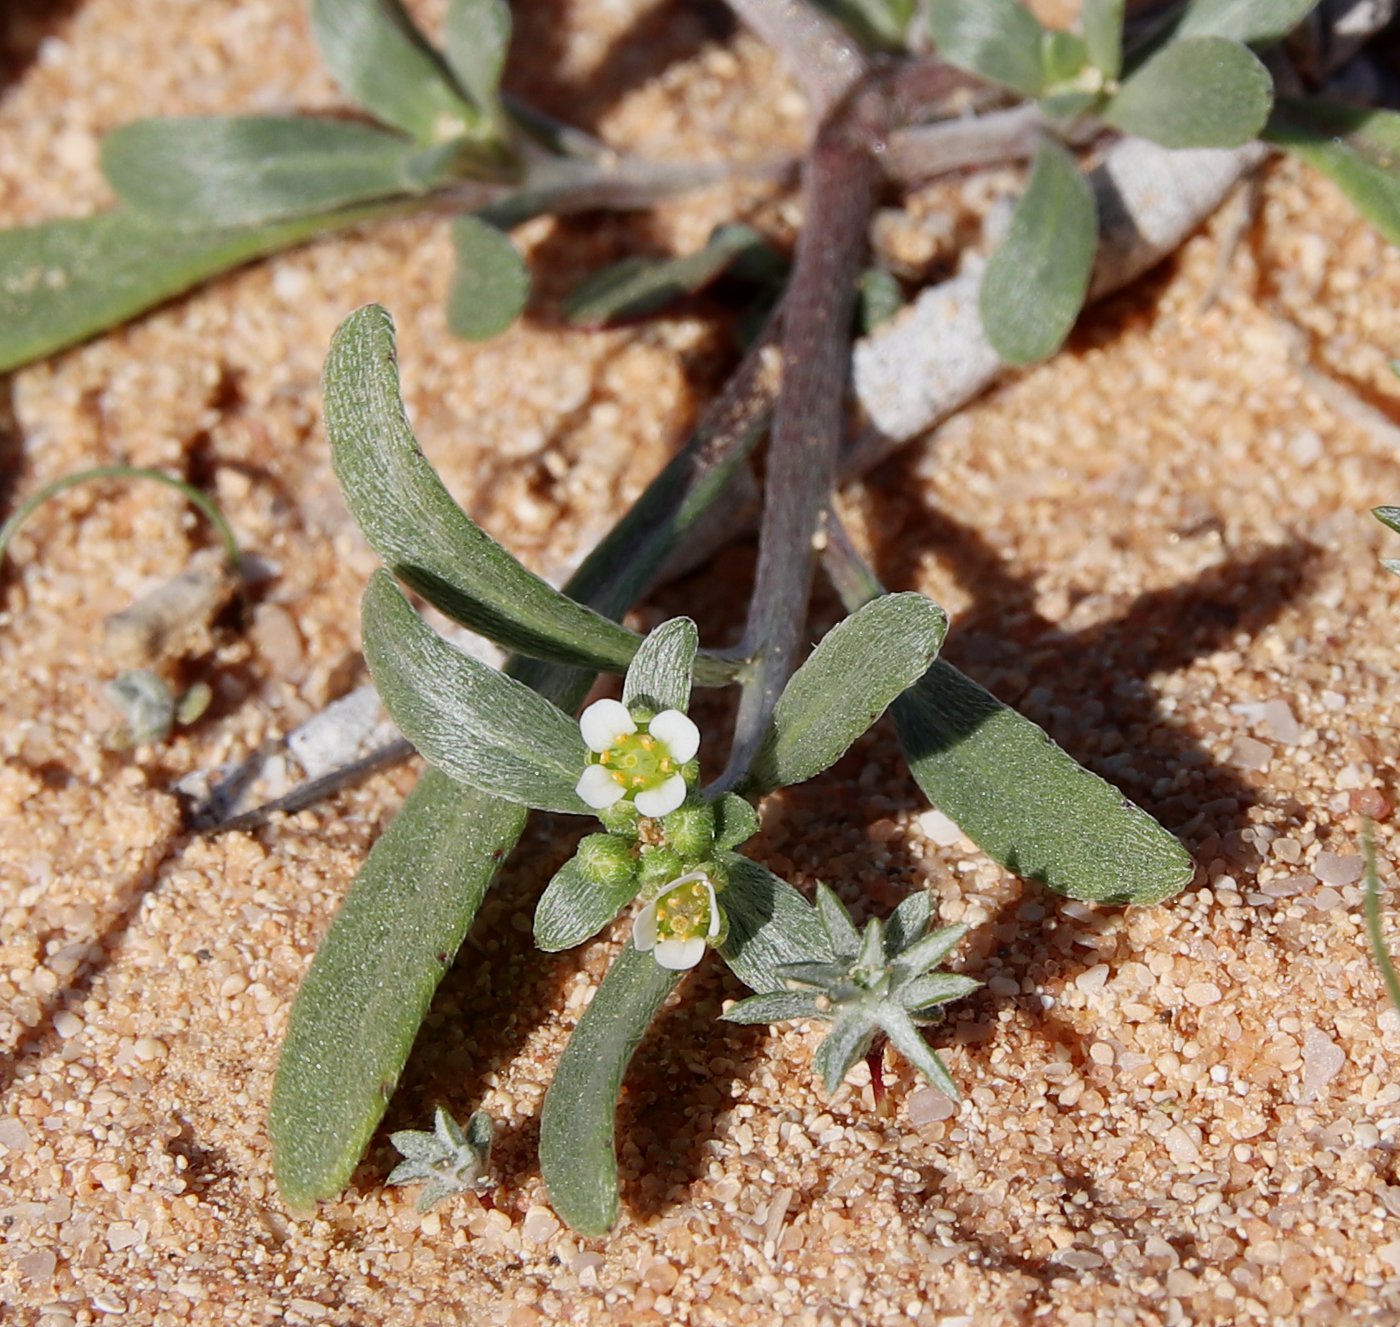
[644, 928]
[678, 955]
[603, 722]
[598, 788]
[679, 733]
[659, 801]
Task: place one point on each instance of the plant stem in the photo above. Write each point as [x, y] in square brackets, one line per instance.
[924, 151]
[188, 491]
[815, 50]
[841, 184]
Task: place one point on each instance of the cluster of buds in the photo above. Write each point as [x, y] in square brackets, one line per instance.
[661, 836]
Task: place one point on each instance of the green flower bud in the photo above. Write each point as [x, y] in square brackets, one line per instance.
[658, 868]
[607, 860]
[717, 872]
[620, 818]
[690, 830]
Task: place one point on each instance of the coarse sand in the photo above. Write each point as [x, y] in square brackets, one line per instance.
[1157, 546]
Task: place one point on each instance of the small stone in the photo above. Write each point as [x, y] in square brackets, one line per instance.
[1334, 868]
[539, 1225]
[14, 1136]
[1322, 1062]
[1251, 754]
[1202, 993]
[1280, 723]
[939, 829]
[928, 1105]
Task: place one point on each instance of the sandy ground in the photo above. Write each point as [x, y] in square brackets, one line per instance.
[1157, 546]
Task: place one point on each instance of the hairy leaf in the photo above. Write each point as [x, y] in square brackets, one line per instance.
[1357, 149]
[1026, 803]
[577, 1154]
[381, 60]
[478, 35]
[659, 675]
[846, 684]
[1198, 92]
[573, 909]
[999, 39]
[360, 1005]
[239, 170]
[491, 282]
[1256, 21]
[475, 724]
[1102, 25]
[426, 539]
[64, 281]
[1036, 281]
[770, 925]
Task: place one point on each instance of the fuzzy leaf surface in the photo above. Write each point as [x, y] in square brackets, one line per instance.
[241, 170]
[1198, 92]
[659, 674]
[572, 909]
[770, 925]
[477, 38]
[1357, 149]
[845, 685]
[64, 281]
[383, 62]
[474, 723]
[578, 1158]
[1255, 21]
[999, 39]
[1102, 24]
[426, 539]
[1028, 804]
[1036, 281]
[490, 283]
[373, 977]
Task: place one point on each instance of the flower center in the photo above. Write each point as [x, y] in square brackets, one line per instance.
[639, 760]
[684, 912]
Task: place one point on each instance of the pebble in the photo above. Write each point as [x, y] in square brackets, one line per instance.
[1337, 869]
[1251, 754]
[939, 829]
[1322, 1062]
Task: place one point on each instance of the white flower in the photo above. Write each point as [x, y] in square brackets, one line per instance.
[640, 760]
[676, 926]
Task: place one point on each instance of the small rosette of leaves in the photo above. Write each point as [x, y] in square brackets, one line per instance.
[879, 982]
[447, 1161]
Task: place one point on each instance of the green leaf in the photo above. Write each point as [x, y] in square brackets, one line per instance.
[475, 724]
[999, 39]
[1037, 279]
[1357, 149]
[1102, 24]
[491, 282]
[1254, 21]
[907, 922]
[382, 61]
[1388, 516]
[877, 23]
[1199, 92]
[906, 1038]
[735, 821]
[577, 1156]
[360, 1005]
[1063, 56]
[426, 539]
[639, 286]
[848, 1041]
[770, 924]
[774, 1007]
[64, 281]
[1026, 803]
[846, 684]
[478, 36]
[239, 170]
[836, 922]
[659, 675]
[572, 909]
[881, 297]
[935, 989]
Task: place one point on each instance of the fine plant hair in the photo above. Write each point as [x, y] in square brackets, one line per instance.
[1132, 129]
